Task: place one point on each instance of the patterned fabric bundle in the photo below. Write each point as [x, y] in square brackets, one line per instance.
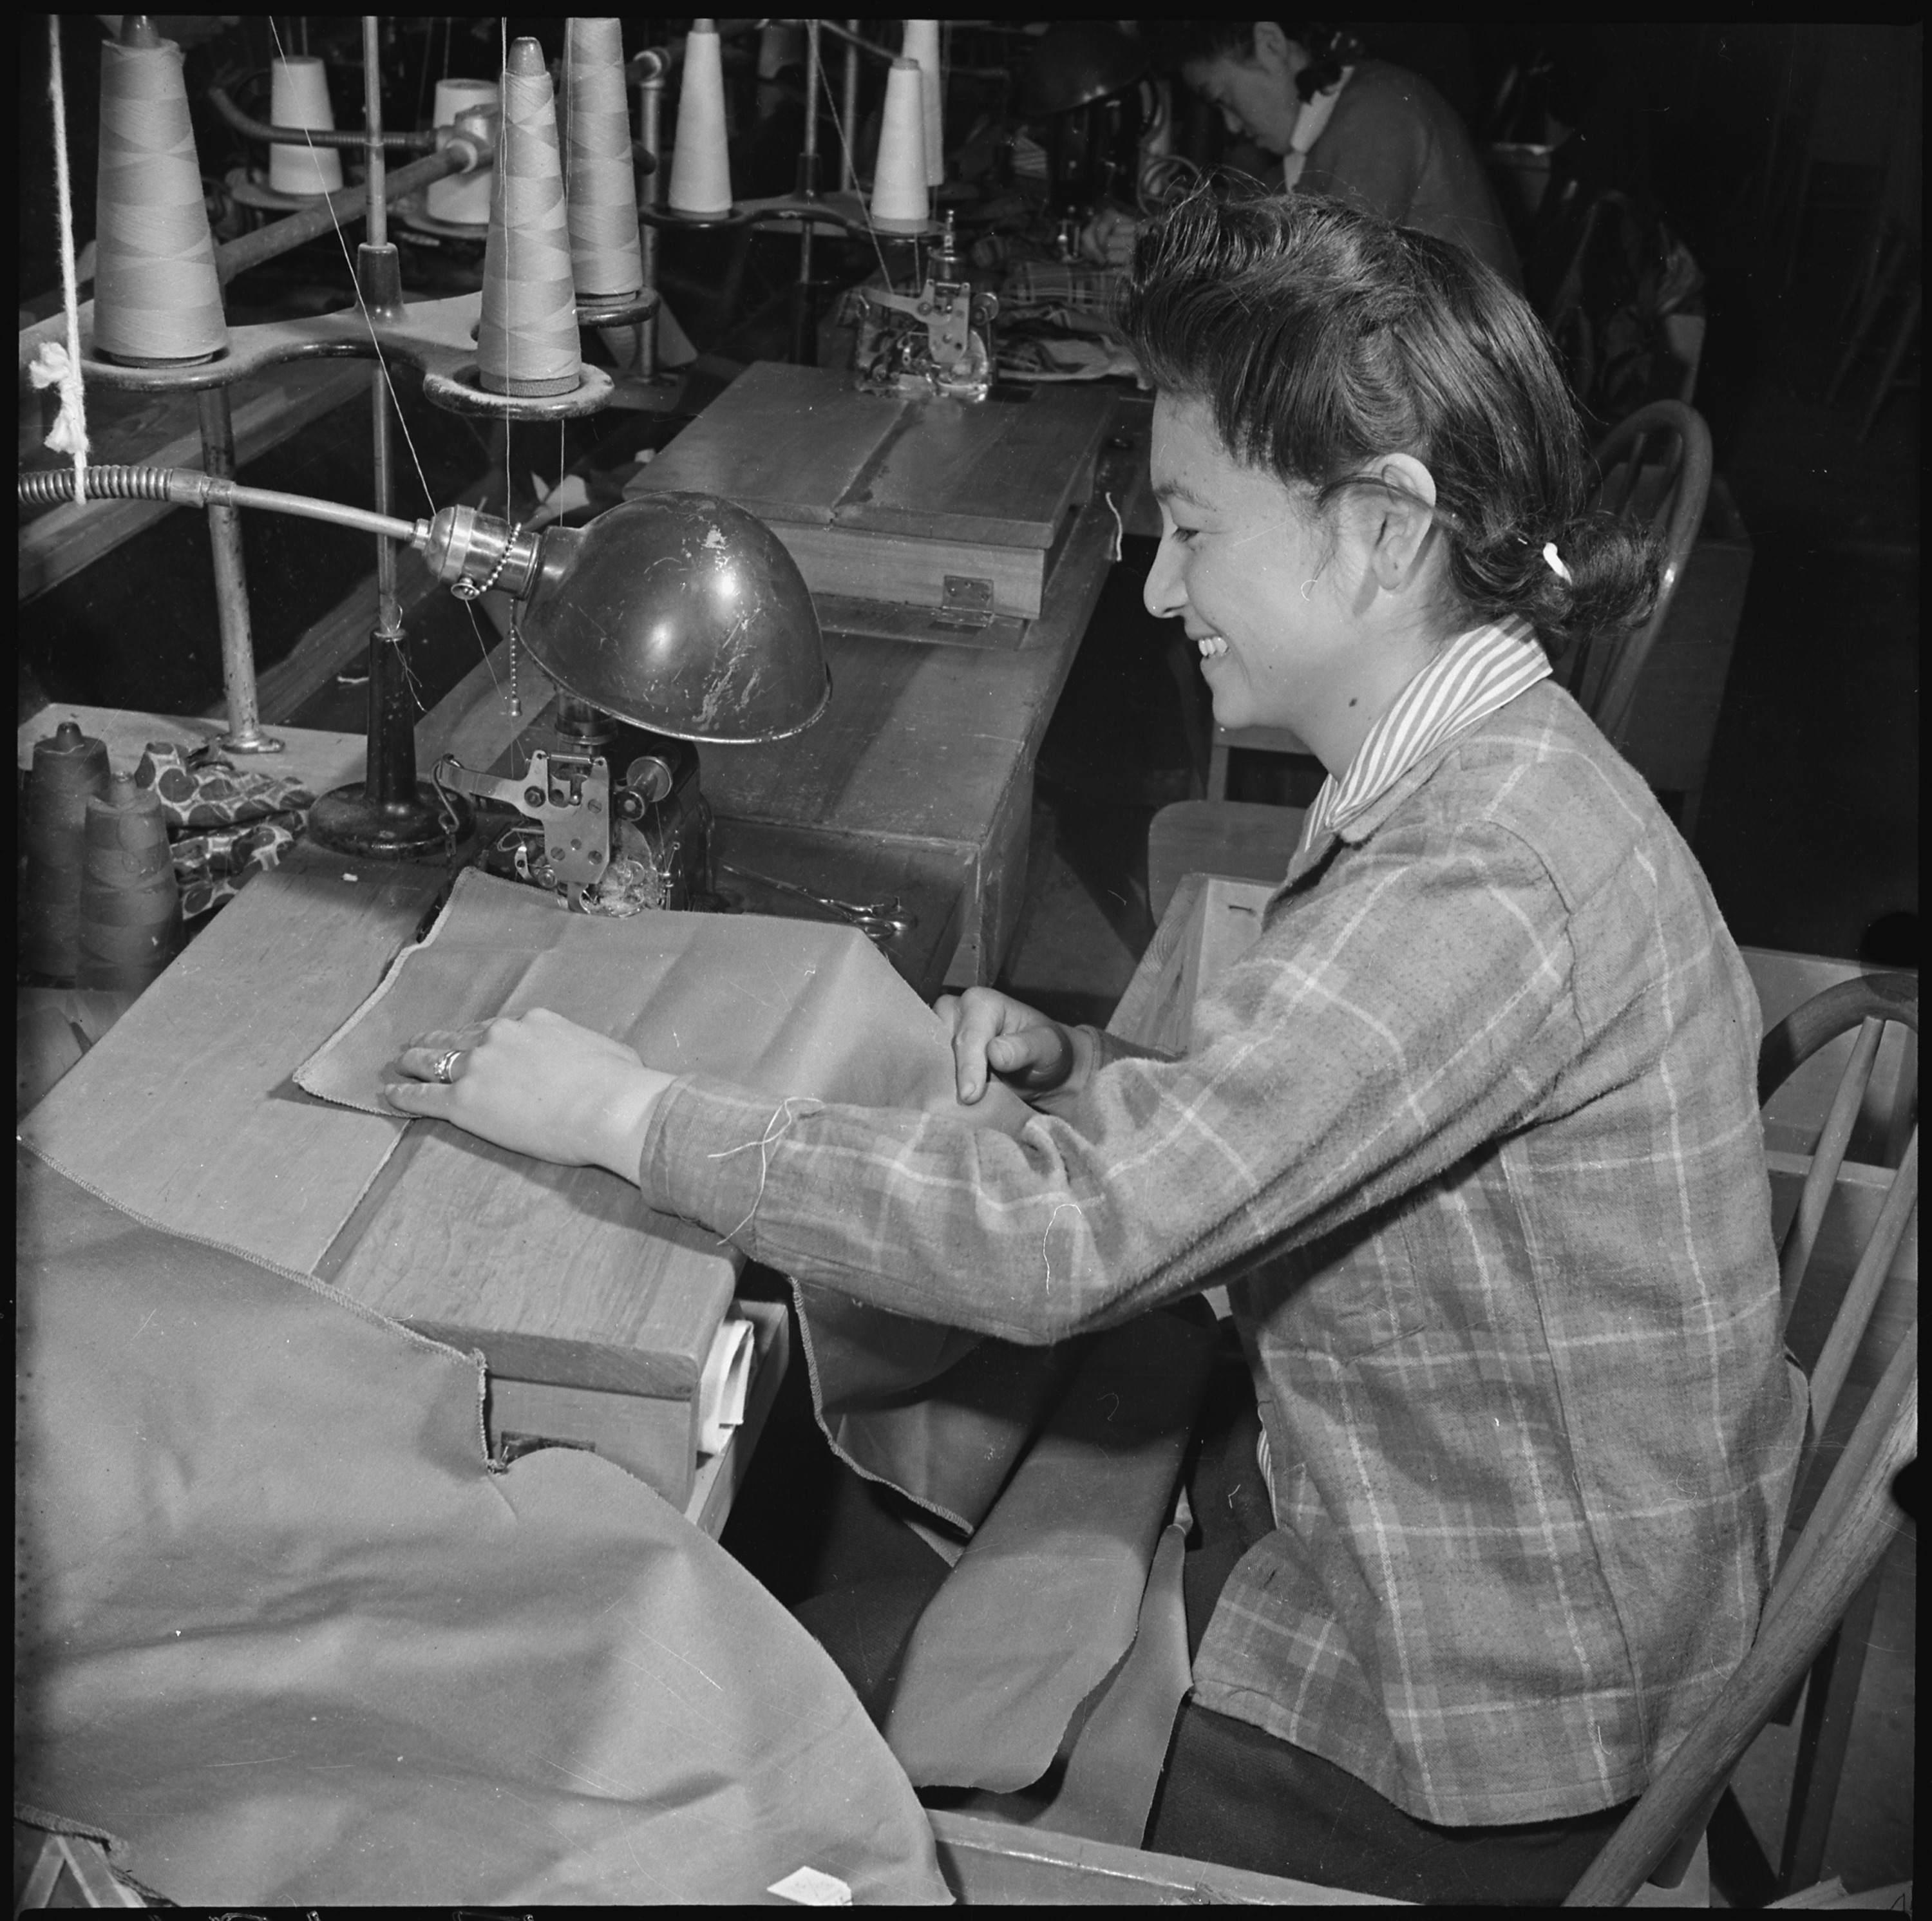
[224, 825]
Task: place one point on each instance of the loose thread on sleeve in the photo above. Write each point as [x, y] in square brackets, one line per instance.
[780, 1124]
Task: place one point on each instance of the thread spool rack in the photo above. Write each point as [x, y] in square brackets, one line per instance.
[392, 813]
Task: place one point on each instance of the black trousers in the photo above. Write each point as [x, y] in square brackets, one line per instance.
[1230, 1793]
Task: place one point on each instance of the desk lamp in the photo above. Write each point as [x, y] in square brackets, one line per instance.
[669, 619]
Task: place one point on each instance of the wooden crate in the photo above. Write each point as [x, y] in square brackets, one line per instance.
[957, 509]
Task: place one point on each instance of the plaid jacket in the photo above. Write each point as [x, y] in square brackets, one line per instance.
[1472, 1131]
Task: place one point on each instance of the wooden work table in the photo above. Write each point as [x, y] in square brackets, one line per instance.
[923, 760]
[186, 1113]
[917, 781]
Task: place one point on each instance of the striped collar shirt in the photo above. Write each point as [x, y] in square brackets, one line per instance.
[1476, 673]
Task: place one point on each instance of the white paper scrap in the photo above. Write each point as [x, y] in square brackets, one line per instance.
[723, 1384]
[810, 1888]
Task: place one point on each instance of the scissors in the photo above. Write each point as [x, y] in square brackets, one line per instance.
[879, 920]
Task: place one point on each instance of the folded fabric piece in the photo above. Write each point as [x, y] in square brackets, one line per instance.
[281, 1629]
[1045, 1600]
[790, 1008]
[1035, 284]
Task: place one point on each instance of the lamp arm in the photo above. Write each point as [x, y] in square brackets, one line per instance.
[218, 98]
[463, 547]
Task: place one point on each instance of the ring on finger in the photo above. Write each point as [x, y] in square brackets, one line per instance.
[444, 1069]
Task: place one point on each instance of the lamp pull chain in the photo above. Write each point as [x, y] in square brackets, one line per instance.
[464, 588]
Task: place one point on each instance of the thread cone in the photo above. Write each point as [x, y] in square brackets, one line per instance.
[899, 203]
[606, 260]
[463, 200]
[922, 45]
[298, 96]
[131, 921]
[156, 295]
[700, 164]
[69, 769]
[527, 343]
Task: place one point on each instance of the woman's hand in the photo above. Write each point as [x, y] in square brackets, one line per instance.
[1109, 238]
[539, 1085]
[992, 1031]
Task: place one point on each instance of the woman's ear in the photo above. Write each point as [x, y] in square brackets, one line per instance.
[1271, 48]
[1398, 514]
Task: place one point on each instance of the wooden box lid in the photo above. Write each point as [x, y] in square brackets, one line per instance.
[800, 446]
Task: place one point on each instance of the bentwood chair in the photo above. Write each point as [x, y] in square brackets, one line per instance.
[1830, 1564]
[1655, 468]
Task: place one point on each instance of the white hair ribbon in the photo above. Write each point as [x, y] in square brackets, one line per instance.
[1555, 562]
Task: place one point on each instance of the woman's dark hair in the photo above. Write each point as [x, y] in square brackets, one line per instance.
[1179, 43]
[1320, 338]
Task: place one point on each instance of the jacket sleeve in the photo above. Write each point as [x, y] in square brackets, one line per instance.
[1414, 1004]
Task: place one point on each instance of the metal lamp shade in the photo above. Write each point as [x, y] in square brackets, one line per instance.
[1075, 63]
[682, 614]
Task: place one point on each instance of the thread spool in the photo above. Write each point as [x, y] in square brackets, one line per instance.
[899, 201]
[922, 44]
[156, 298]
[131, 919]
[700, 166]
[463, 200]
[526, 343]
[601, 182]
[69, 769]
[298, 97]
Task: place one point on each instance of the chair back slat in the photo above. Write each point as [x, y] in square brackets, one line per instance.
[1827, 1157]
[1854, 1315]
[1848, 1531]
[1855, 1523]
[1606, 685]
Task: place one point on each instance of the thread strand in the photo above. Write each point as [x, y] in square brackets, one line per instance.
[74, 394]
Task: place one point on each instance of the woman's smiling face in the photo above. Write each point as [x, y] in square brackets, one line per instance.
[1237, 549]
[1309, 620]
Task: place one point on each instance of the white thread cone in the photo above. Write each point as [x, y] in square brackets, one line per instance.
[605, 258]
[899, 203]
[156, 294]
[298, 97]
[700, 168]
[526, 343]
[922, 44]
[462, 199]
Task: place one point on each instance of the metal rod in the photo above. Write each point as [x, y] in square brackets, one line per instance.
[245, 735]
[805, 316]
[377, 161]
[266, 243]
[847, 179]
[315, 136]
[391, 776]
[849, 34]
[650, 124]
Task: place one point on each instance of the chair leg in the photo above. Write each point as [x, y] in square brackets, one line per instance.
[1907, 326]
[1830, 1702]
[1217, 771]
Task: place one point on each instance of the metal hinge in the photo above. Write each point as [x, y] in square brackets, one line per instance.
[965, 601]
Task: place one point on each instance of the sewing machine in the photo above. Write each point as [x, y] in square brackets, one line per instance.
[604, 846]
[937, 341]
